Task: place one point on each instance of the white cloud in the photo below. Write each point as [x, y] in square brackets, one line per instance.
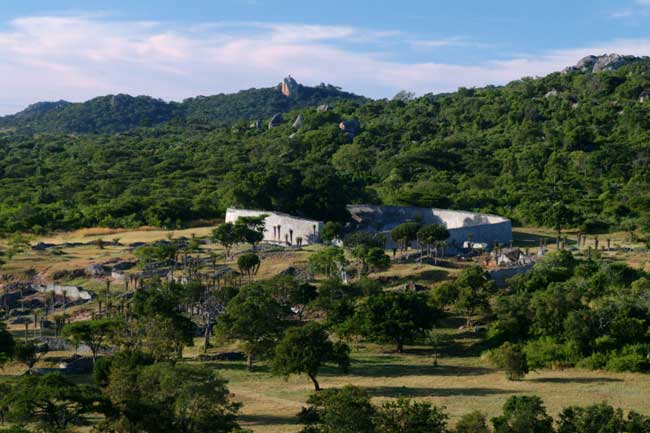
[76, 58]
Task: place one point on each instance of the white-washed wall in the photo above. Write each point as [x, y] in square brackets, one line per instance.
[282, 228]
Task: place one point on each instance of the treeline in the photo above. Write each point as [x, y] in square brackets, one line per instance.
[567, 150]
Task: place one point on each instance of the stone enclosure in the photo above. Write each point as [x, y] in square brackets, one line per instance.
[462, 226]
[282, 228]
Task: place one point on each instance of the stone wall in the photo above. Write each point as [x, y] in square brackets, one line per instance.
[70, 292]
[282, 228]
[482, 228]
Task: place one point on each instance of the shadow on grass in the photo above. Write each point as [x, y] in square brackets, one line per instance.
[363, 369]
[267, 420]
[403, 391]
[569, 380]
[237, 366]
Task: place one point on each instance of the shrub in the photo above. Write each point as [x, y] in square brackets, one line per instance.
[596, 361]
[511, 358]
[546, 352]
[473, 422]
[630, 358]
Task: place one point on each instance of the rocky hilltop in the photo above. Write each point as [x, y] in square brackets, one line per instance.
[605, 62]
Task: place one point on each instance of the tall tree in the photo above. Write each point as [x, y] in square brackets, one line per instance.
[306, 349]
[398, 317]
[255, 318]
[93, 333]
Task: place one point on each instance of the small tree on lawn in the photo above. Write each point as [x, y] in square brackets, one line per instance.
[306, 349]
[249, 265]
[93, 333]
[474, 287]
[511, 358]
[255, 318]
[398, 317]
[227, 236]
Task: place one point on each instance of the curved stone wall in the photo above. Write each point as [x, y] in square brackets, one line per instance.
[463, 226]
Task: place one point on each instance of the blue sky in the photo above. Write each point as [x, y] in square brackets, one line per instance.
[72, 49]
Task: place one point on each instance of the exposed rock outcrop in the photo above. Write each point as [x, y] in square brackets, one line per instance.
[606, 62]
[276, 120]
[297, 124]
[323, 108]
[350, 127]
[289, 86]
[256, 124]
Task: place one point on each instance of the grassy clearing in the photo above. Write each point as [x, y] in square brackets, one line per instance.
[461, 384]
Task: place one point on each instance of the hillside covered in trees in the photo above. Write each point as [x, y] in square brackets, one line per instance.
[119, 113]
[568, 150]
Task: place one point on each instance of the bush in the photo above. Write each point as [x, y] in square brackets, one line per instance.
[473, 422]
[630, 358]
[596, 361]
[546, 352]
[511, 358]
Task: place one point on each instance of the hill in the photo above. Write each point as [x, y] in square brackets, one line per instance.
[567, 150]
[120, 113]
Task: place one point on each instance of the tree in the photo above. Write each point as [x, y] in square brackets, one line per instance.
[28, 353]
[473, 422]
[399, 317]
[405, 233]
[523, 414]
[368, 239]
[164, 398]
[306, 349]
[248, 265]
[327, 261]
[371, 259]
[601, 418]
[292, 293]
[254, 318]
[53, 402]
[343, 410]
[431, 235]
[7, 344]
[331, 231]
[158, 326]
[93, 333]
[227, 236]
[406, 416]
[474, 286]
[251, 229]
[511, 358]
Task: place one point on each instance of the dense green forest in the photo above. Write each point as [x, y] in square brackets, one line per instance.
[569, 150]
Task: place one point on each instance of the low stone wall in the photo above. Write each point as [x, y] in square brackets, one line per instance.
[282, 228]
[70, 292]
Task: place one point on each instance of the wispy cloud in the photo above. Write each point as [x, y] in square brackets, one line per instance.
[79, 57]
